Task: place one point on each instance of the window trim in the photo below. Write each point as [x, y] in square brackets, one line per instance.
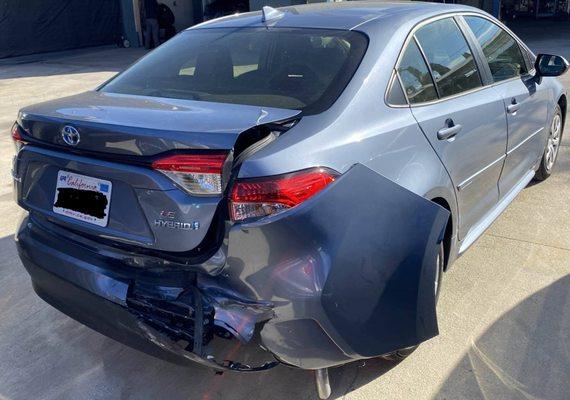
[485, 85]
[426, 61]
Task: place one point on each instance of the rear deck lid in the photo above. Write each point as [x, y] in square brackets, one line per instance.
[144, 126]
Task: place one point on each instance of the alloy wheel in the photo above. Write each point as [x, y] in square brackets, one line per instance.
[553, 143]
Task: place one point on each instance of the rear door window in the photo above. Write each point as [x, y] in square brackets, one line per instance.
[449, 57]
[415, 76]
[501, 50]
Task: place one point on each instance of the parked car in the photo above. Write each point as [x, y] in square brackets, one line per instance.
[296, 179]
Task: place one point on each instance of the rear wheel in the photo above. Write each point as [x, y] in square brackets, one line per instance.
[552, 146]
[400, 354]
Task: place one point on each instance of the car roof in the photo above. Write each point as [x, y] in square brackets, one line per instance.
[342, 15]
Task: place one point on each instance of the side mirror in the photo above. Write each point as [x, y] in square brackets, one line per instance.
[550, 65]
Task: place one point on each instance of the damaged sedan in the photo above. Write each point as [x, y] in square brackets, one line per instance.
[295, 180]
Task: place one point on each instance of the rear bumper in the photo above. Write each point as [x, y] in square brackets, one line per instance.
[321, 286]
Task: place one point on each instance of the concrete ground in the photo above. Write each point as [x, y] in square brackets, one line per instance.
[504, 312]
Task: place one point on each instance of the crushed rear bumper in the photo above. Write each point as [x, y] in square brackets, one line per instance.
[171, 320]
[347, 275]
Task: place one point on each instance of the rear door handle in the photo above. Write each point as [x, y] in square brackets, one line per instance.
[449, 132]
[513, 107]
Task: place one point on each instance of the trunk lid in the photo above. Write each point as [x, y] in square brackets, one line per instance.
[120, 135]
[144, 126]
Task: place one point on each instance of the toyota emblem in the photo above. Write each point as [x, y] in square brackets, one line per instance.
[70, 135]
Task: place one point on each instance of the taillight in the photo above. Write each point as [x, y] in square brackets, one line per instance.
[259, 197]
[199, 174]
[17, 137]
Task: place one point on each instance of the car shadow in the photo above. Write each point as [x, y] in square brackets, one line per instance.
[525, 354]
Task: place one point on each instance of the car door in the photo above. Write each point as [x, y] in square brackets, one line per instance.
[525, 103]
[463, 121]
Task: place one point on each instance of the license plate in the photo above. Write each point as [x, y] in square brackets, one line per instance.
[82, 197]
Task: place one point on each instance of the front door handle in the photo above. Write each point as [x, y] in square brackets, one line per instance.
[449, 132]
[513, 107]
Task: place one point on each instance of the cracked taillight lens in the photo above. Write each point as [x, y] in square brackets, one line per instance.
[259, 197]
[197, 174]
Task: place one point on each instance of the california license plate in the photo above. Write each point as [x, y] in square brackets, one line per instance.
[83, 198]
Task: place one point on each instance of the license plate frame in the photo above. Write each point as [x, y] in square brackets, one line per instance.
[83, 198]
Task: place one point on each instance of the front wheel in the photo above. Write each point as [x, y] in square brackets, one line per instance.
[400, 354]
[552, 146]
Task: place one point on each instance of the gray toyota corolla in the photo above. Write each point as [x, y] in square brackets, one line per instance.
[294, 180]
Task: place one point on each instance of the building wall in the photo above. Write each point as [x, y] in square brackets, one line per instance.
[38, 26]
[183, 12]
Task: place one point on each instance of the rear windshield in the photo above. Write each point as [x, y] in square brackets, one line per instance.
[302, 69]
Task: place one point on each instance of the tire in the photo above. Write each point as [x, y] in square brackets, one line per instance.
[400, 354]
[552, 147]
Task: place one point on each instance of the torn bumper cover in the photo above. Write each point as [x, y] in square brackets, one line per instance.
[349, 274]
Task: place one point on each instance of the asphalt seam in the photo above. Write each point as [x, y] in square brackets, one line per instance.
[529, 242]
